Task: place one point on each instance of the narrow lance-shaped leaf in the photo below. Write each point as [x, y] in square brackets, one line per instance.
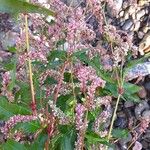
[18, 6]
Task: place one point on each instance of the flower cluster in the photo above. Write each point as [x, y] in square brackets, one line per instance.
[6, 79]
[14, 120]
[81, 125]
[105, 100]
[70, 26]
[79, 143]
[80, 110]
[102, 119]
[89, 81]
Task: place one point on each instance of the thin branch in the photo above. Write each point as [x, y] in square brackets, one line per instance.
[30, 67]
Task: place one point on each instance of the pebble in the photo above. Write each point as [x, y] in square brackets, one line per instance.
[140, 35]
[131, 9]
[142, 2]
[145, 43]
[144, 144]
[9, 40]
[2, 123]
[139, 14]
[147, 86]
[143, 106]
[146, 28]
[117, 5]
[132, 28]
[146, 115]
[120, 122]
[142, 93]
[125, 5]
[42, 1]
[127, 25]
[128, 104]
[73, 3]
[137, 26]
[93, 22]
[126, 15]
[121, 13]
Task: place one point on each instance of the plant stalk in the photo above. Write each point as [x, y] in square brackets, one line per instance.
[113, 118]
[30, 67]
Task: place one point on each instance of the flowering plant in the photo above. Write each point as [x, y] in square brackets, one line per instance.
[64, 74]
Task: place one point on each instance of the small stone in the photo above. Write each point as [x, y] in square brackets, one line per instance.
[144, 144]
[140, 35]
[132, 28]
[128, 104]
[2, 123]
[121, 13]
[146, 28]
[121, 23]
[139, 14]
[140, 108]
[147, 86]
[133, 16]
[126, 16]
[125, 5]
[145, 43]
[9, 40]
[73, 3]
[146, 115]
[93, 22]
[120, 122]
[117, 5]
[137, 26]
[42, 1]
[131, 9]
[127, 25]
[142, 93]
[142, 2]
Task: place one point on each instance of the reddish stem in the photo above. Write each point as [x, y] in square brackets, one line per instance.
[60, 82]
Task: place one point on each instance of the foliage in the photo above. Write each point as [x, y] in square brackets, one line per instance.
[18, 6]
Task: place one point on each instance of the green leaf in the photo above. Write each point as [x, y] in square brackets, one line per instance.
[131, 88]
[24, 92]
[120, 133]
[28, 127]
[129, 97]
[67, 140]
[112, 87]
[12, 49]
[8, 66]
[57, 54]
[39, 142]
[13, 76]
[94, 138]
[9, 109]
[13, 145]
[18, 6]
[62, 102]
